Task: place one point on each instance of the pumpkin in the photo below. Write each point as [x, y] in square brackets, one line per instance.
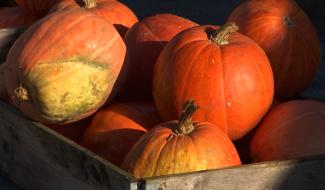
[73, 131]
[116, 128]
[291, 130]
[12, 17]
[243, 144]
[288, 38]
[36, 7]
[3, 92]
[180, 146]
[145, 40]
[227, 73]
[113, 11]
[69, 77]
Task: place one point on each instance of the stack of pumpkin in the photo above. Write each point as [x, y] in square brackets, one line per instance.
[165, 95]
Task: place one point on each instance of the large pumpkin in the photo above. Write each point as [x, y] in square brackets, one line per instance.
[15, 17]
[288, 38]
[64, 67]
[145, 41]
[227, 74]
[113, 11]
[36, 7]
[180, 146]
[291, 130]
[115, 129]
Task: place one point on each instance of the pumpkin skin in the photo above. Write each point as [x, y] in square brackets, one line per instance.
[284, 31]
[161, 152]
[145, 40]
[15, 17]
[243, 144]
[221, 78]
[112, 11]
[291, 130]
[45, 84]
[73, 131]
[36, 7]
[115, 129]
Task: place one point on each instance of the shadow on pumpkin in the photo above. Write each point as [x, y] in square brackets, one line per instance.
[138, 84]
[113, 145]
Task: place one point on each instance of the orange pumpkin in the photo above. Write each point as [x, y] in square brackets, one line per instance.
[112, 11]
[15, 17]
[69, 77]
[291, 130]
[288, 38]
[227, 73]
[145, 40]
[180, 146]
[36, 7]
[116, 128]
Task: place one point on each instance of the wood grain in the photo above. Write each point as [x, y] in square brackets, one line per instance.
[308, 173]
[35, 157]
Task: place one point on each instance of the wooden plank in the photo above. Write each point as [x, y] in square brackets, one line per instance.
[36, 157]
[308, 173]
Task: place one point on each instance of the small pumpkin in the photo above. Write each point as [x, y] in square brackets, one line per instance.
[291, 130]
[180, 146]
[115, 12]
[115, 129]
[69, 77]
[145, 40]
[227, 73]
[12, 17]
[36, 7]
[288, 38]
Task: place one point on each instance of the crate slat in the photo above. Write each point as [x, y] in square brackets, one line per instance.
[307, 173]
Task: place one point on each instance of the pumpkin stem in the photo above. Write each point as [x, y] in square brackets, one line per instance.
[287, 21]
[221, 36]
[90, 4]
[21, 93]
[185, 125]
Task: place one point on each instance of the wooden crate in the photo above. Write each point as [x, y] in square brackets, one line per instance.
[37, 158]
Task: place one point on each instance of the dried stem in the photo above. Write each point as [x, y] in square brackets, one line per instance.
[221, 36]
[21, 93]
[185, 125]
[90, 4]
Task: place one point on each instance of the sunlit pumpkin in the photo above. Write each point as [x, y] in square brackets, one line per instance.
[115, 129]
[180, 146]
[227, 73]
[288, 38]
[291, 130]
[144, 41]
[112, 11]
[69, 77]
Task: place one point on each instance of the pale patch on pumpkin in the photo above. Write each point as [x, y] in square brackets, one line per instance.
[64, 90]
